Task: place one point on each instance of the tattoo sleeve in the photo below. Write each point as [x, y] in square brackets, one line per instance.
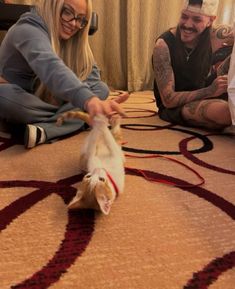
[222, 40]
[221, 36]
[223, 68]
[165, 80]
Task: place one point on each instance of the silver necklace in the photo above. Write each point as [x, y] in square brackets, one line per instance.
[188, 53]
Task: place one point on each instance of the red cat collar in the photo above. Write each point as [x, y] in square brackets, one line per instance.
[113, 183]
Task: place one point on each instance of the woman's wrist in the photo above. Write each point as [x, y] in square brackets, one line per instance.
[87, 102]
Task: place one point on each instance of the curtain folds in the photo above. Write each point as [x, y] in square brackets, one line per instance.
[124, 42]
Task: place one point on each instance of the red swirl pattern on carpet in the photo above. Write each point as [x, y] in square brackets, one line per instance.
[84, 225]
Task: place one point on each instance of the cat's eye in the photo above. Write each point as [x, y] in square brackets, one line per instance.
[88, 176]
[101, 179]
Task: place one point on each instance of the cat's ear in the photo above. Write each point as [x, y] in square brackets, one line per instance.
[104, 197]
[104, 203]
[75, 203]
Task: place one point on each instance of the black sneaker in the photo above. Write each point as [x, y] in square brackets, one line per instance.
[34, 135]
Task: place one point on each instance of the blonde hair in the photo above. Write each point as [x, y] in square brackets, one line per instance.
[77, 45]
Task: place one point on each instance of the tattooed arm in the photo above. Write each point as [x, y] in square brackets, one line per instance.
[222, 40]
[223, 67]
[165, 79]
[221, 36]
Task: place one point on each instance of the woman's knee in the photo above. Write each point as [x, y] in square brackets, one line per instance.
[18, 106]
[5, 103]
[11, 113]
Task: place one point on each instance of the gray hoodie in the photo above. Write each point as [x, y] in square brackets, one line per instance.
[26, 52]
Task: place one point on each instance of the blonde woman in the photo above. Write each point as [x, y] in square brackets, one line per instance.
[47, 67]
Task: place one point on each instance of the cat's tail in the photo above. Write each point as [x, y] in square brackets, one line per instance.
[73, 115]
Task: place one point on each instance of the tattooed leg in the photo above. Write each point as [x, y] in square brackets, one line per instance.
[212, 114]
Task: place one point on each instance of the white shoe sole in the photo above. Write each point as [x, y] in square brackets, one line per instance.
[31, 136]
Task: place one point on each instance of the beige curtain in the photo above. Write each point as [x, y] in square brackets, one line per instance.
[127, 30]
[226, 12]
[124, 42]
[29, 2]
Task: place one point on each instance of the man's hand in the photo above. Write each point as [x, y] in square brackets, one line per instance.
[219, 86]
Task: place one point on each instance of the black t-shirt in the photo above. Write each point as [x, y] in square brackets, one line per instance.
[184, 73]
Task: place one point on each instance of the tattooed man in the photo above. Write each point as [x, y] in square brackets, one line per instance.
[190, 65]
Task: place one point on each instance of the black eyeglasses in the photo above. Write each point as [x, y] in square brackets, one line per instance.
[67, 15]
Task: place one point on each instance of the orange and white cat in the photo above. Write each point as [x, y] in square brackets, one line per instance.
[102, 159]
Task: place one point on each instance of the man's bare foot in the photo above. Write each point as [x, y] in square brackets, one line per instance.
[121, 97]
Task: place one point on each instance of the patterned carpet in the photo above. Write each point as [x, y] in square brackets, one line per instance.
[172, 228]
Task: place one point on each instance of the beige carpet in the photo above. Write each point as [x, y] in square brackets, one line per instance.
[169, 234]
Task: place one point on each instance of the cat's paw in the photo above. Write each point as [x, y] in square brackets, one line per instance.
[100, 120]
[115, 120]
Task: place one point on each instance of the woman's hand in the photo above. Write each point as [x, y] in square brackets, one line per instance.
[107, 107]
